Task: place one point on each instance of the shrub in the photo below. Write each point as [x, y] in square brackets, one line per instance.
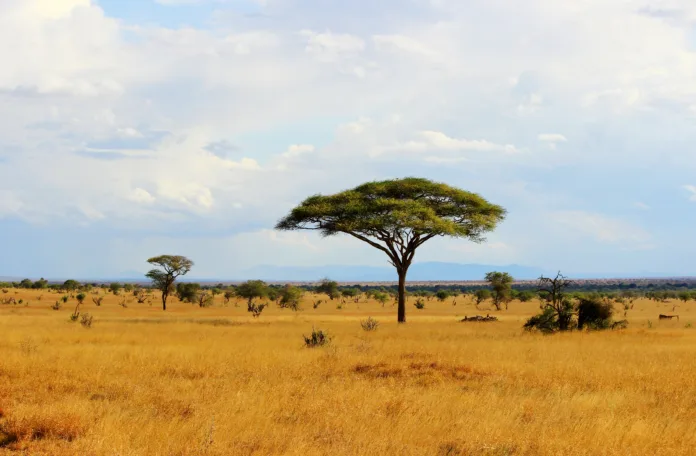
[318, 338]
[317, 303]
[420, 304]
[546, 322]
[57, 305]
[65, 298]
[370, 324]
[290, 297]
[442, 295]
[80, 297]
[98, 300]
[86, 320]
[594, 314]
[256, 309]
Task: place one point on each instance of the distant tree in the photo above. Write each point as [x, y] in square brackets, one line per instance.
[329, 288]
[115, 288]
[40, 284]
[685, 296]
[525, 296]
[171, 267]
[501, 283]
[204, 298]
[26, 283]
[229, 294]
[381, 297]
[80, 297]
[273, 294]
[252, 289]
[553, 293]
[397, 216]
[594, 314]
[128, 287]
[442, 295]
[351, 293]
[290, 297]
[481, 295]
[188, 292]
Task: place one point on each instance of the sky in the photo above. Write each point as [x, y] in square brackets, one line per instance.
[133, 128]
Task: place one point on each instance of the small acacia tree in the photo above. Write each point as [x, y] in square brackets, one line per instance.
[250, 290]
[501, 284]
[553, 292]
[397, 216]
[171, 267]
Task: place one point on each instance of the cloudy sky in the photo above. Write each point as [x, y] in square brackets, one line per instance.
[132, 128]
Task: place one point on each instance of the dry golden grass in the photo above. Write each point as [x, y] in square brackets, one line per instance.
[216, 382]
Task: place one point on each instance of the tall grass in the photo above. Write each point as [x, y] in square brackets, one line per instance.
[434, 386]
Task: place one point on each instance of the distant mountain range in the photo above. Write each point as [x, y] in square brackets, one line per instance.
[419, 272]
[432, 271]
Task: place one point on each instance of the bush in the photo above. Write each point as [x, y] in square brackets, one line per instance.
[57, 305]
[420, 304]
[256, 309]
[318, 338]
[546, 322]
[98, 300]
[86, 321]
[594, 314]
[370, 324]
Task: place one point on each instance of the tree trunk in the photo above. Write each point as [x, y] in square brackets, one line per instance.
[402, 295]
[164, 301]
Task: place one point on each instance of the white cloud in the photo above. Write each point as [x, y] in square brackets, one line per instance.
[692, 190]
[142, 196]
[331, 47]
[641, 206]
[552, 138]
[600, 227]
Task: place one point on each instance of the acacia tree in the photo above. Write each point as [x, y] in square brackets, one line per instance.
[172, 266]
[501, 283]
[397, 216]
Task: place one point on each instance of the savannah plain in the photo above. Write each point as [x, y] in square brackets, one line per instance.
[215, 381]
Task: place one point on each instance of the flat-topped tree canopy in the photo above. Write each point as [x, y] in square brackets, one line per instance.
[397, 216]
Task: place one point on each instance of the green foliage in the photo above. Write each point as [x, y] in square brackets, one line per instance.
[40, 284]
[26, 283]
[250, 290]
[594, 314]
[256, 309]
[80, 297]
[204, 299]
[57, 306]
[187, 292]
[170, 268]
[397, 216]
[546, 322]
[128, 287]
[442, 295]
[290, 297]
[71, 285]
[229, 294]
[525, 296]
[329, 288]
[419, 304]
[482, 295]
[380, 297]
[501, 284]
[115, 288]
[65, 298]
[317, 338]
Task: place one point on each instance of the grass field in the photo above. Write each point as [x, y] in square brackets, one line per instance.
[214, 381]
